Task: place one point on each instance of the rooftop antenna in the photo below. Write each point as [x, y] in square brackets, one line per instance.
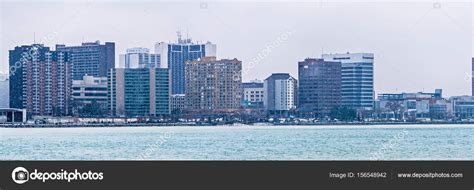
[178, 33]
[187, 33]
[34, 37]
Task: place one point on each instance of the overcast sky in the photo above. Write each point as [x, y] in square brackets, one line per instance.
[417, 46]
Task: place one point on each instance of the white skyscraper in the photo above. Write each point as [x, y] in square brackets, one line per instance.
[279, 92]
[284, 94]
[139, 58]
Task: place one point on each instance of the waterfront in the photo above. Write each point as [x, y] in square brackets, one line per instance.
[377, 142]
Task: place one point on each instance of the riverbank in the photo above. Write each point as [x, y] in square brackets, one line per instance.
[86, 125]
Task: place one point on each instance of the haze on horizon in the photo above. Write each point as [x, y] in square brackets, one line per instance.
[418, 46]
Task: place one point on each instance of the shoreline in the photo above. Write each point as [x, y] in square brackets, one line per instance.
[121, 125]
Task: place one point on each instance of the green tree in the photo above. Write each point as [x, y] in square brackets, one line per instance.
[93, 109]
[343, 113]
[395, 106]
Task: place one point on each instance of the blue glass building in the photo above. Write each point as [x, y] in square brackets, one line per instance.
[175, 55]
[138, 92]
[357, 77]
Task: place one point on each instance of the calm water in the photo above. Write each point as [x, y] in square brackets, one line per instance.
[433, 142]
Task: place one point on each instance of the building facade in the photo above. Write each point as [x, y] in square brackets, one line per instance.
[91, 58]
[90, 96]
[412, 105]
[41, 82]
[177, 103]
[13, 115]
[357, 79]
[213, 85]
[138, 92]
[463, 106]
[280, 92]
[319, 88]
[139, 58]
[175, 55]
[252, 95]
[4, 92]
[441, 109]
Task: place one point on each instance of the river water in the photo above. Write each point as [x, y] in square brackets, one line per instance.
[384, 142]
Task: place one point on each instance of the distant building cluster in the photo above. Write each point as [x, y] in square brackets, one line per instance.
[185, 79]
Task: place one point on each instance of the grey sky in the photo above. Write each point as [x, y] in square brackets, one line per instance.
[418, 46]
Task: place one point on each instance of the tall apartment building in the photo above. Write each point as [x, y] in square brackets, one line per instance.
[87, 92]
[175, 55]
[319, 87]
[357, 72]
[91, 58]
[41, 80]
[4, 92]
[139, 58]
[252, 94]
[280, 91]
[213, 85]
[138, 92]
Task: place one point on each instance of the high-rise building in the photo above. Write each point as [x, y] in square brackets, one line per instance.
[357, 72]
[4, 92]
[252, 94]
[41, 82]
[90, 95]
[319, 88]
[472, 76]
[138, 92]
[91, 58]
[175, 55]
[280, 91]
[139, 58]
[213, 85]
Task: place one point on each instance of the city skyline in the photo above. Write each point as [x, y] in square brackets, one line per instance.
[418, 40]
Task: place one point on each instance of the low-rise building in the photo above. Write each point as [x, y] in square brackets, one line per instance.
[463, 106]
[252, 95]
[411, 105]
[441, 109]
[177, 103]
[12, 115]
[90, 96]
